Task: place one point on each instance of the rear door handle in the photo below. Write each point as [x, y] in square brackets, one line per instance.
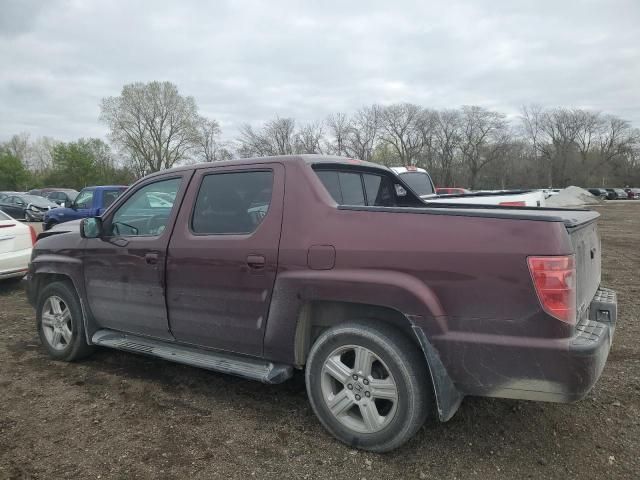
[256, 261]
[151, 258]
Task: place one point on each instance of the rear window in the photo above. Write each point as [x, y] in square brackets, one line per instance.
[420, 182]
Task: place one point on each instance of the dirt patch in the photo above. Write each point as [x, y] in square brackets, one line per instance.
[119, 415]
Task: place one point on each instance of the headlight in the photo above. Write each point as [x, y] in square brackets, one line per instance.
[32, 208]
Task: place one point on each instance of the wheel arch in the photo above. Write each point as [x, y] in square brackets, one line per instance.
[51, 268]
[315, 317]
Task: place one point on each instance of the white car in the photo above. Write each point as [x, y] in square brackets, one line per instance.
[16, 242]
[420, 181]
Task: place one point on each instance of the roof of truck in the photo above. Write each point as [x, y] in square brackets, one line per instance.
[306, 158]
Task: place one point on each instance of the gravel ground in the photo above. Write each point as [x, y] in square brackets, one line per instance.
[118, 415]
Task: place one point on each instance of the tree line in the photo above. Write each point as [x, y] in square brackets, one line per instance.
[153, 127]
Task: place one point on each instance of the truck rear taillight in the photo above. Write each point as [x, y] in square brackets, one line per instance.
[554, 279]
[512, 204]
[34, 235]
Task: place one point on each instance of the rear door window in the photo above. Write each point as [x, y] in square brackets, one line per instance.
[351, 187]
[232, 203]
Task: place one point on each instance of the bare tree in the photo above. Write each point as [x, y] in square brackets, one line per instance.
[401, 130]
[363, 133]
[617, 139]
[447, 135]
[153, 123]
[210, 147]
[309, 138]
[338, 125]
[590, 127]
[41, 153]
[18, 146]
[483, 133]
[277, 137]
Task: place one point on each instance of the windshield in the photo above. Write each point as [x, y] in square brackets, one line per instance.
[420, 182]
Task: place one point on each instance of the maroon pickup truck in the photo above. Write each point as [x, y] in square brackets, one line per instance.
[395, 308]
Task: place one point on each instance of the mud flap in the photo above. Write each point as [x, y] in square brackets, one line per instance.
[448, 398]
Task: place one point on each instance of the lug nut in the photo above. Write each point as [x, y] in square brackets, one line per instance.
[358, 397]
[355, 377]
[365, 381]
[350, 387]
[367, 394]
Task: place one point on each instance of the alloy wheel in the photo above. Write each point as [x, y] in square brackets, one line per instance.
[359, 389]
[57, 323]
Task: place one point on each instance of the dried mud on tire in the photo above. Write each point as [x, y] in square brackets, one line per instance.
[118, 415]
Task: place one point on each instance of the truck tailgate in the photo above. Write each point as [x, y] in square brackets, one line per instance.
[586, 247]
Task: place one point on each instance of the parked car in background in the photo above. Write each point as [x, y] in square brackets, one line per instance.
[451, 191]
[62, 196]
[396, 309]
[598, 192]
[41, 192]
[26, 207]
[6, 194]
[16, 242]
[616, 194]
[633, 193]
[90, 202]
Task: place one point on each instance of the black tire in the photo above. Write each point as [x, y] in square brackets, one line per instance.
[77, 347]
[404, 362]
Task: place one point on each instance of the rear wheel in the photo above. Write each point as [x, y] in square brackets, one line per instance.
[59, 321]
[368, 385]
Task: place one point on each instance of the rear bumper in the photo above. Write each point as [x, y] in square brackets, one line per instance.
[555, 370]
[14, 264]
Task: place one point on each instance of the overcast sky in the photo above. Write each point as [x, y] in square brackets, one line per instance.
[248, 61]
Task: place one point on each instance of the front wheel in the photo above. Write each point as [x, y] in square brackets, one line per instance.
[59, 321]
[368, 385]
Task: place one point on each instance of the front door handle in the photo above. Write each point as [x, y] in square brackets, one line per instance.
[256, 261]
[151, 258]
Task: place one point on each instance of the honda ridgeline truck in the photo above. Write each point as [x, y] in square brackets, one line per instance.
[394, 309]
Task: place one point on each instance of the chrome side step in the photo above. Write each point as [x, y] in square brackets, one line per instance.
[251, 368]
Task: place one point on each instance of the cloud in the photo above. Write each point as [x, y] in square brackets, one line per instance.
[249, 61]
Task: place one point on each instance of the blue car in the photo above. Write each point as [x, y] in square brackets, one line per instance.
[90, 202]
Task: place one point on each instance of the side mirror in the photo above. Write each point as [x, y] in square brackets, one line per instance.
[91, 227]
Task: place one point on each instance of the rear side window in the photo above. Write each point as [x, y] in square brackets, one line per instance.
[232, 203]
[358, 188]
